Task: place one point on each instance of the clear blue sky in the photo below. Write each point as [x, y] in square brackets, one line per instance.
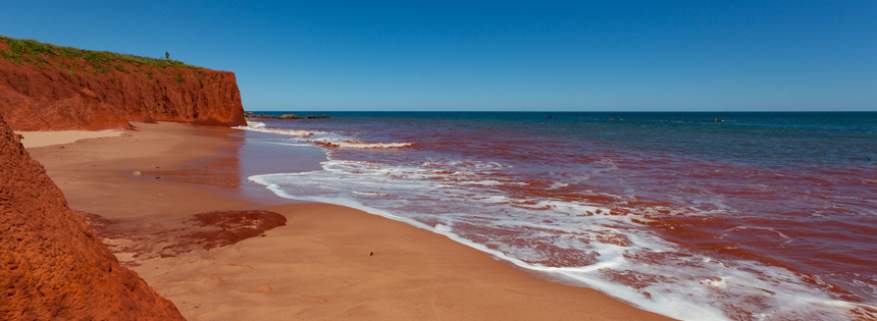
[495, 55]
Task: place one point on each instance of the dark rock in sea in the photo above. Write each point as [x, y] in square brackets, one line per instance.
[252, 115]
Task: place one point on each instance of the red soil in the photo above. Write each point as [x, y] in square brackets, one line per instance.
[67, 93]
[52, 267]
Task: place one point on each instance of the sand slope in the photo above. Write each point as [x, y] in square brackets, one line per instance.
[52, 267]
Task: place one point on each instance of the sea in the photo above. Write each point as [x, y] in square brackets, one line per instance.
[696, 216]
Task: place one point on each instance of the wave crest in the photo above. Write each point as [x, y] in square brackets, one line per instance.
[260, 127]
[363, 145]
[321, 138]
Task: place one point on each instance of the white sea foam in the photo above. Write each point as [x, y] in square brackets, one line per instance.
[255, 124]
[261, 128]
[440, 196]
[357, 144]
[321, 138]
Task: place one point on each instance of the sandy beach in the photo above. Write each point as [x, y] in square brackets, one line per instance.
[32, 139]
[326, 263]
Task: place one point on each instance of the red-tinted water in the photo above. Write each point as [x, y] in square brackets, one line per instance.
[755, 222]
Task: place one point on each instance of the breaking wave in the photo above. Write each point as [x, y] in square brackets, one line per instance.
[321, 138]
[570, 240]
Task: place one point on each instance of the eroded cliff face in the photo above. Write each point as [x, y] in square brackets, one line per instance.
[52, 267]
[46, 87]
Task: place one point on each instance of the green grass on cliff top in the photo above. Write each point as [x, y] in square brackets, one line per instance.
[22, 51]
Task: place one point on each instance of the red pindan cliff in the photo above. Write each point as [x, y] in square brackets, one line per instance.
[52, 267]
[46, 87]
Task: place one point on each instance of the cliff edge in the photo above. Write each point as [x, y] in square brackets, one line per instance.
[52, 267]
[47, 87]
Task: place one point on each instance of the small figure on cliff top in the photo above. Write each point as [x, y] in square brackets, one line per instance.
[167, 55]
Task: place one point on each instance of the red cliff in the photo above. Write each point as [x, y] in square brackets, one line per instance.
[46, 87]
[52, 267]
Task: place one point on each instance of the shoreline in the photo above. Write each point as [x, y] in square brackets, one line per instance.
[317, 266]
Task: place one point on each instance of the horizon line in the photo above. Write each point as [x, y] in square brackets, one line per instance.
[835, 110]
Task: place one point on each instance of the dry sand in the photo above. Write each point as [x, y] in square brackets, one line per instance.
[317, 267]
[48, 138]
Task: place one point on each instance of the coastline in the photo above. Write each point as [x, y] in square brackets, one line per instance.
[316, 266]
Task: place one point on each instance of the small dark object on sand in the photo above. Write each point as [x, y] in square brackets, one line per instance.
[158, 177]
[371, 253]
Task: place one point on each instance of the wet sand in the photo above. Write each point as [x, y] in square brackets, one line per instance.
[326, 263]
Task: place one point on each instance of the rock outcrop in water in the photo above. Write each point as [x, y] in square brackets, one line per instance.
[52, 267]
[255, 115]
[45, 87]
